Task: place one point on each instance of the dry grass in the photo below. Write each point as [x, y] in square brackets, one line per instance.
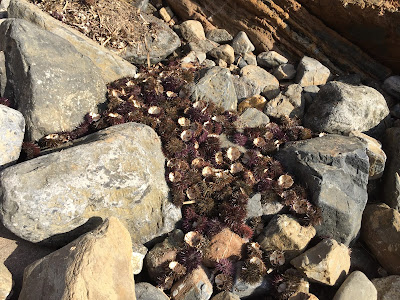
[112, 23]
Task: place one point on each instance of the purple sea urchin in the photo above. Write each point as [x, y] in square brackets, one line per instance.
[189, 257]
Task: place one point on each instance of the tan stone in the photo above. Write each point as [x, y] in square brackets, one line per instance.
[6, 282]
[256, 101]
[225, 244]
[376, 156]
[95, 266]
[225, 296]
[111, 65]
[380, 230]
[284, 233]
[196, 285]
[303, 296]
[192, 31]
[328, 262]
[166, 13]
[388, 287]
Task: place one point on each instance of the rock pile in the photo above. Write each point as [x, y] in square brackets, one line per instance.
[196, 174]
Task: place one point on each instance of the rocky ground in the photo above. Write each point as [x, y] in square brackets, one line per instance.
[166, 158]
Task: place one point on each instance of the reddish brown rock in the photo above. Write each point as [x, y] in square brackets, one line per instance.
[196, 285]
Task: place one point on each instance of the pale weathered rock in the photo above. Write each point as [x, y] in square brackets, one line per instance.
[284, 233]
[285, 72]
[341, 108]
[224, 52]
[252, 117]
[250, 58]
[166, 13]
[111, 66]
[380, 230]
[225, 296]
[6, 282]
[216, 86]
[122, 175]
[328, 262]
[356, 286]
[146, 291]
[219, 35]
[12, 124]
[388, 287]
[163, 252]
[241, 43]
[225, 244]
[391, 179]
[138, 254]
[271, 59]
[376, 156]
[392, 86]
[3, 73]
[311, 72]
[192, 31]
[335, 170]
[289, 103]
[52, 84]
[263, 81]
[195, 285]
[68, 273]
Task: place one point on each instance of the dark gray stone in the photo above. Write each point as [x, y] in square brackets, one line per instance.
[52, 84]
[159, 46]
[309, 94]
[285, 72]
[341, 108]
[392, 171]
[335, 170]
[216, 86]
[392, 86]
[146, 291]
[219, 36]
[247, 290]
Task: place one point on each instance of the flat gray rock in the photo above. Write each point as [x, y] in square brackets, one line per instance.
[252, 117]
[146, 291]
[341, 108]
[392, 86]
[51, 83]
[217, 86]
[356, 286]
[12, 124]
[219, 35]
[118, 171]
[335, 170]
[271, 59]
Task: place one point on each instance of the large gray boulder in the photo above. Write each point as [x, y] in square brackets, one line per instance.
[217, 86]
[12, 131]
[288, 103]
[118, 171]
[341, 108]
[112, 66]
[52, 84]
[335, 170]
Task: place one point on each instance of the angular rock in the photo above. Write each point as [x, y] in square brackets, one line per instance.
[271, 59]
[195, 285]
[157, 46]
[392, 86]
[111, 66]
[250, 58]
[162, 253]
[271, 207]
[257, 101]
[68, 272]
[341, 108]
[328, 262]
[285, 72]
[225, 244]
[309, 94]
[241, 43]
[254, 207]
[138, 254]
[122, 175]
[376, 156]
[245, 289]
[52, 84]
[284, 233]
[262, 81]
[335, 170]
[6, 282]
[225, 296]
[192, 31]
[192, 58]
[216, 86]
[146, 291]
[245, 88]
[356, 286]
[12, 124]
[224, 52]
[252, 117]
[166, 13]
[203, 46]
[388, 287]
[380, 230]
[289, 103]
[311, 72]
[391, 190]
[219, 35]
